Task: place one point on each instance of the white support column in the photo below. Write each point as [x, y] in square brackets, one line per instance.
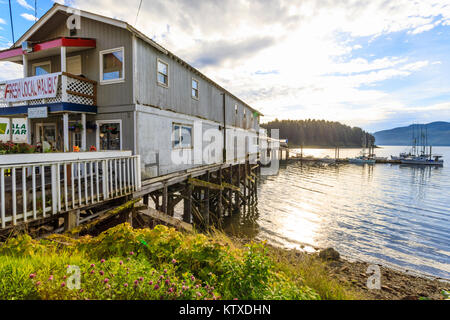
[63, 59]
[83, 132]
[25, 66]
[29, 131]
[10, 123]
[66, 131]
[63, 77]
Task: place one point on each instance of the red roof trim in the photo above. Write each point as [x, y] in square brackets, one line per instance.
[61, 42]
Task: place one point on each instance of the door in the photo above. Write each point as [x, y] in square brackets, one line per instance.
[109, 135]
[46, 135]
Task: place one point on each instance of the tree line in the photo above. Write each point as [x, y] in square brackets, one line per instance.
[320, 133]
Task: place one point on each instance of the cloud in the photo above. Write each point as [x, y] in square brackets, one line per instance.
[25, 5]
[28, 17]
[296, 58]
[2, 21]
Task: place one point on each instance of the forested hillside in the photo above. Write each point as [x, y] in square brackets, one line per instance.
[319, 133]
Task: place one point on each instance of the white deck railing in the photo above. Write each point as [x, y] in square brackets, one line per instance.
[36, 186]
[71, 88]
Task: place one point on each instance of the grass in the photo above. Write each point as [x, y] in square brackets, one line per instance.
[162, 263]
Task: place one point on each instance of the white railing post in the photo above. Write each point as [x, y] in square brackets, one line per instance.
[54, 181]
[14, 204]
[24, 193]
[43, 189]
[138, 172]
[105, 180]
[2, 196]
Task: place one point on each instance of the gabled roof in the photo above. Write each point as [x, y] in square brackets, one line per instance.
[121, 24]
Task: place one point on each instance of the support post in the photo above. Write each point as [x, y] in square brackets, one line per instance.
[83, 132]
[205, 212]
[187, 205]
[66, 131]
[219, 201]
[71, 219]
[164, 199]
[230, 192]
[238, 184]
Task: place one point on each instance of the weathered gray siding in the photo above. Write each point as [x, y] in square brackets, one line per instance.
[177, 97]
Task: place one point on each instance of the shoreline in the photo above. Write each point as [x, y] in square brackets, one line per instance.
[395, 283]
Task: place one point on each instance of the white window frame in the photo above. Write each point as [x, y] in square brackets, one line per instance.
[198, 89]
[181, 125]
[99, 123]
[158, 60]
[101, 54]
[38, 64]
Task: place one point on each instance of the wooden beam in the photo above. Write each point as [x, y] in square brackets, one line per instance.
[160, 216]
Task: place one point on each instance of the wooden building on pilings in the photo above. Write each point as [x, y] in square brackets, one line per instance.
[146, 112]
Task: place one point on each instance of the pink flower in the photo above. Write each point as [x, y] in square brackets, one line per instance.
[141, 279]
[81, 290]
[199, 294]
[170, 290]
[102, 261]
[101, 272]
[192, 278]
[150, 283]
[32, 276]
[106, 280]
[156, 287]
[121, 262]
[65, 277]
[184, 288]
[131, 253]
[108, 286]
[174, 261]
[50, 278]
[92, 271]
[136, 282]
[167, 281]
[38, 283]
[128, 259]
[125, 285]
[63, 284]
[92, 265]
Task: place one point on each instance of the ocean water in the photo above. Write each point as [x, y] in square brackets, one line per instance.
[389, 214]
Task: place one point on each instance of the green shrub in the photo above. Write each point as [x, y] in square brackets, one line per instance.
[123, 263]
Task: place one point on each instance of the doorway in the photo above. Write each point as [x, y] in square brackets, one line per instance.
[47, 136]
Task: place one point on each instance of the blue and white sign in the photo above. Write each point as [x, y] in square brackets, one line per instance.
[37, 113]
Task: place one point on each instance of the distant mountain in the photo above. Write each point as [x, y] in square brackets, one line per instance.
[438, 135]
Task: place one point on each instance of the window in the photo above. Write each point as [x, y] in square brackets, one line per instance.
[236, 119]
[182, 136]
[245, 120]
[42, 68]
[163, 73]
[109, 135]
[112, 66]
[194, 89]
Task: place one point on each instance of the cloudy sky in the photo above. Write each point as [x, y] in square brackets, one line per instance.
[373, 64]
